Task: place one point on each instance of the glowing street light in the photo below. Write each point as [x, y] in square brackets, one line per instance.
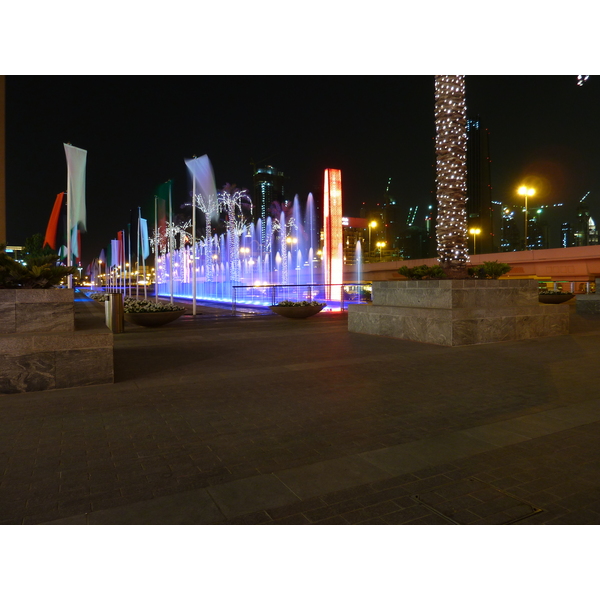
[475, 231]
[381, 246]
[372, 225]
[526, 191]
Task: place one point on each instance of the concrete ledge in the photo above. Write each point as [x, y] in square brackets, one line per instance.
[23, 311]
[37, 361]
[587, 304]
[457, 312]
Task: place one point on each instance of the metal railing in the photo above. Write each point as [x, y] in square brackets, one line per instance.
[574, 287]
[337, 296]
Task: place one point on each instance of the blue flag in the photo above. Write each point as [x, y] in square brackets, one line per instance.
[144, 236]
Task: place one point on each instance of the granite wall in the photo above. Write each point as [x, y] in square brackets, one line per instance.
[458, 312]
[69, 348]
[24, 311]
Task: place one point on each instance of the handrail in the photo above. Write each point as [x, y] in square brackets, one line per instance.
[272, 289]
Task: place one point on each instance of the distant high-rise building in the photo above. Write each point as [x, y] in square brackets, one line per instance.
[417, 238]
[538, 231]
[586, 232]
[480, 208]
[268, 185]
[511, 240]
[567, 238]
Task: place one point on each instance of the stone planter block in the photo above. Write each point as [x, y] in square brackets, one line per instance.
[61, 354]
[23, 311]
[458, 312]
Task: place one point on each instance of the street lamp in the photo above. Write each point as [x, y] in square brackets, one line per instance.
[526, 191]
[381, 246]
[372, 225]
[475, 232]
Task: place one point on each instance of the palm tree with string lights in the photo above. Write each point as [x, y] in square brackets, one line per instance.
[451, 173]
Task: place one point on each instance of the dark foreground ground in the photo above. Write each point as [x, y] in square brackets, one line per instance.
[259, 419]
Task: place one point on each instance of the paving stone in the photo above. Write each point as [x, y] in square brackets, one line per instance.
[239, 497]
[582, 516]
[292, 520]
[321, 415]
[408, 514]
[369, 512]
[255, 518]
[297, 507]
[432, 519]
[324, 512]
[374, 521]
[337, 520]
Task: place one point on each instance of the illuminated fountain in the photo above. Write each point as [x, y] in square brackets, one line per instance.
[243, 264]
[239, 257]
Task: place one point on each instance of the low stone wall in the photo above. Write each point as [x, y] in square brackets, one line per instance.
[588, 304]
[458, 312]
[25, 311]
[64, 355]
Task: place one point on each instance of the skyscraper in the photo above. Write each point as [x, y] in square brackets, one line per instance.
[268, 188]
[480, 208]
[586, 233]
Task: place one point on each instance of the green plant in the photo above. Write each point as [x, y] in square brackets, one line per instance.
[423, 272]
[489, 270]
[555, 293]
[495, 269]
[40, 272]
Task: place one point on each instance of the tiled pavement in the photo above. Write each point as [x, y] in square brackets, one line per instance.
[259, 419]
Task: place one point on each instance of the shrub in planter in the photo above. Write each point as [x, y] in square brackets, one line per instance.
[304, 303]
[489, 270]
[131, 305]
[41, 272]
[423, 272]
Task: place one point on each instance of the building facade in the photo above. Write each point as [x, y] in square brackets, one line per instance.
[480, 208]
[268, 184]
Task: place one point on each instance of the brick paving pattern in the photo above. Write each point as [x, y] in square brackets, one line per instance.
[215, 399]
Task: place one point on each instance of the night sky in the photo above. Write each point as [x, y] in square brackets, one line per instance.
[139, 129]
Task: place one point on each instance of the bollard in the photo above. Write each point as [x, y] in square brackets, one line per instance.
[113, 312]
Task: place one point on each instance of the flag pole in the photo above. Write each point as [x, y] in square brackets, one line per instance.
[130, 263]
[143, 255]
[170, 242]
[122, 259]
[155, 249]
[69, 257]
[194, 245]
[137, 249]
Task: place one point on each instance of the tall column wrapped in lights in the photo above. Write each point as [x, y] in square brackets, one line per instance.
[451, 171]
[333, 254]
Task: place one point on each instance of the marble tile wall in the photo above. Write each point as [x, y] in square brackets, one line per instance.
[24, 311]
[456, 313]
[588, 304]
[42, 350]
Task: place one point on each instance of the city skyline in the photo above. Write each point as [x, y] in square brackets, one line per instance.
[139, 130]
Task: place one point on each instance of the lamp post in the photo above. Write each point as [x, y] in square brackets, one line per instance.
[381, 246]
[372, 225]
[475, 231]
[526, 191]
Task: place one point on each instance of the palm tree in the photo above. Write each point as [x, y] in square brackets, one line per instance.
[231, 199]
[451, 172]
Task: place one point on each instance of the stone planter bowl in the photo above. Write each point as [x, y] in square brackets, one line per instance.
[153, 319]
[555, 298]
[297, 312]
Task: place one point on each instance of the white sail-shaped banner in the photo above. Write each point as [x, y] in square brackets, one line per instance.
[76, 163]
[202, 171]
